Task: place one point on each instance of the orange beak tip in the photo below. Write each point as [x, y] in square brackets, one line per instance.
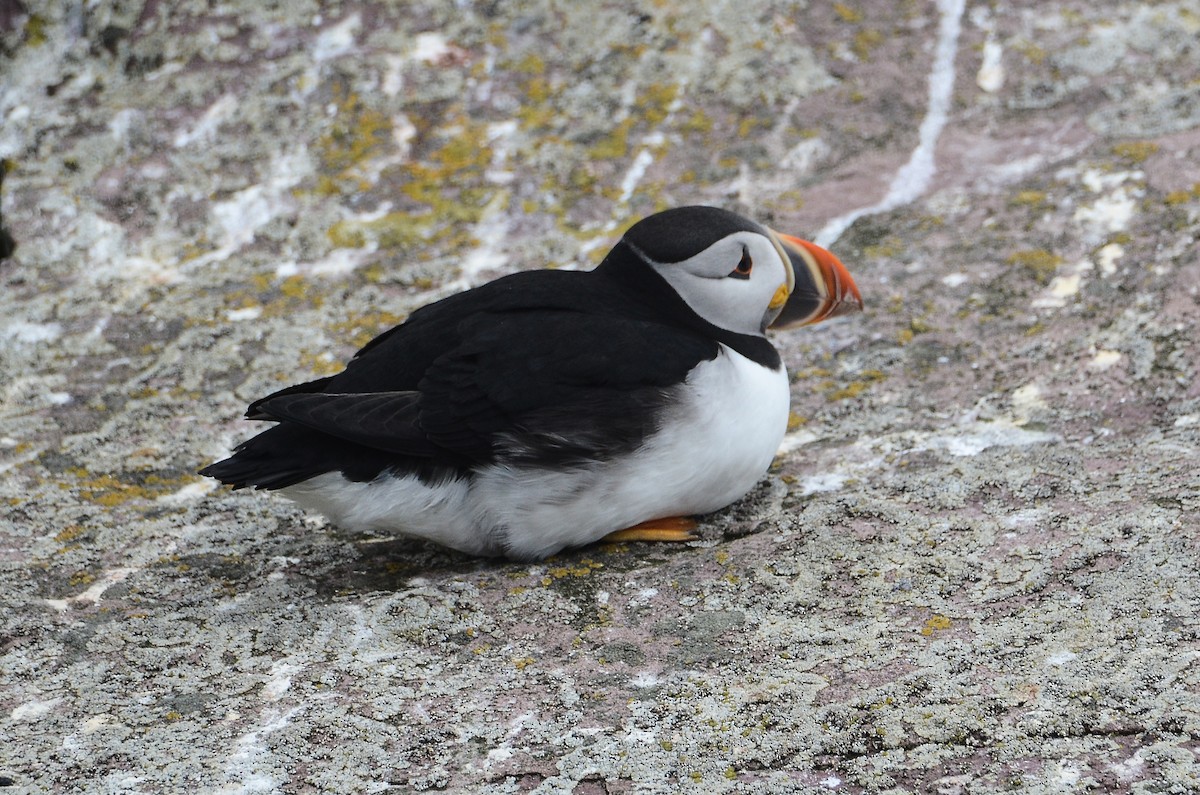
[840, 295]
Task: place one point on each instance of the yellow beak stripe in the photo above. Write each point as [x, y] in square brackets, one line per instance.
[780, 298]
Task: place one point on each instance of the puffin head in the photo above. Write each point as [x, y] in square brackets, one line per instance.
[739, 275]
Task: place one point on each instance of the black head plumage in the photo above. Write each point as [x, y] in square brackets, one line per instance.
[677, 234]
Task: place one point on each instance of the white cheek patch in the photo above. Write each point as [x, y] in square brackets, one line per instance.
[733, 304]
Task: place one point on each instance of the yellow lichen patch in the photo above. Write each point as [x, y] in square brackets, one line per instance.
[395, 230]
[698, 121]
[109, 491]
[850, 390]
[847, 14]
[347, 234]
[866, 40]
[655, 104]
[583, 569]
[467, 149]
[284, 297]
[536, 112]
[615, 144]
[69, 533]
[1135, 151]
[35, 30]
[795, 421]
[1039, 263]
[357, 135]
[889, 247]
[1177, 197]
[1032, 52]
[363, 328]
[936, 623]
[531, 64]
[1035, 199]
[811, 372]
[81, 578]
[320, 364]
[855, 388]
[521, 663]
[747, 125]
[299, 289]
[374, 273]
[789, 199]
[450, 183]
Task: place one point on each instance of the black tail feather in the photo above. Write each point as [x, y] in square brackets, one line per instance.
[289, 454]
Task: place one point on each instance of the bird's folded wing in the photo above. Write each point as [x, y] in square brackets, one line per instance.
[553, 387]
[381, 420]
[537, 387]
[254, 410]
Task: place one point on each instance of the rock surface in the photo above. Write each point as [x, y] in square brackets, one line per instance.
[972, 569]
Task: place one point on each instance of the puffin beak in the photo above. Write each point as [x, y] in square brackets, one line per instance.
[823, 287]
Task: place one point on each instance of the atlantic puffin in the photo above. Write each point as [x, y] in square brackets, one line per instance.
[550, 409]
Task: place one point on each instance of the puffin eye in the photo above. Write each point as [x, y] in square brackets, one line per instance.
[744, 266]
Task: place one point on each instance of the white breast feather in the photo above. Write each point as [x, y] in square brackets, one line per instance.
[717, 438]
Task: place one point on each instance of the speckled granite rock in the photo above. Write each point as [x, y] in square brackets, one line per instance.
[972, 569]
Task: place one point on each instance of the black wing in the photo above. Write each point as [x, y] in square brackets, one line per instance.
[542, 367]
[555, 388]
[539, 387]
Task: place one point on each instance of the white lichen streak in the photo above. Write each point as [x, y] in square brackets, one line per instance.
[252, 753]
[207, 125]
[825, 481]
[337, 39]
[655, 139]
[868, 456]
[1026, 402]
[990, 77]
[95, 591]
[1131, 769]
[32, 710]
[1104, 359]
[491, 230]
[637, 169]
[238, 218]
[504, 751]
[1111, 212]
[974, 439]
[26, 333]
[189, 493]
[914, 176]
[280, 681]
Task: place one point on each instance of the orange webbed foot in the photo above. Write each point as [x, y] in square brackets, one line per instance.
[670, 528]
